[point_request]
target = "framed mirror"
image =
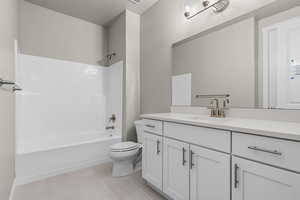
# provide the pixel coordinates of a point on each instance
(256, 60)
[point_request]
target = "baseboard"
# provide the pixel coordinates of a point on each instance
(158, 190)
(12, 190)
(70, 168)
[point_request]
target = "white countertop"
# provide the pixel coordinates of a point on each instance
(279, 129)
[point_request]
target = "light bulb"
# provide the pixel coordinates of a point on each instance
(187, 11)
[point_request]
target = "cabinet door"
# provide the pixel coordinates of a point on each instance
(209, 175)
(152, 159)
(252, 180)
(176, 169)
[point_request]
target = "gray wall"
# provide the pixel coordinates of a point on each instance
(8, 33)
(221, 62)
(163, 25)
(117, 38)
(132, 72)
(47, 33)
(124, 40)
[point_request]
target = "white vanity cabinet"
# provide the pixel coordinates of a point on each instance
(255, 181)
(192, 172)
(152, 159)
(209, 175)
(188, 162)
(272, 180)
(174, 164)
(176, 169)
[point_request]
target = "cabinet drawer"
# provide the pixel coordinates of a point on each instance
(205, 137)
(153, 126)
(277, 152)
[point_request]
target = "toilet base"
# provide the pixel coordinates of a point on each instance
(122, 168)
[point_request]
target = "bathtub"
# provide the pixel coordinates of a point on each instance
(40, 159)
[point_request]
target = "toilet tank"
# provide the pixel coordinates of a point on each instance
(139, 130)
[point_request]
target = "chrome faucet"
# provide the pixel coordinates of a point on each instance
(112, 118)
(223, 108)
(215, 109)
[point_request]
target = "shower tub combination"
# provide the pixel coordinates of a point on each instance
(50, 158)
(61, 115)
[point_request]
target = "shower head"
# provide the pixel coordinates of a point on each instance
(106, 61)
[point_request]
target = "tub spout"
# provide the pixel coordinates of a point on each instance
(110, 127)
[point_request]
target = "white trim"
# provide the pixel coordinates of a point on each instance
(64, 146)
(70, 168)
(269, 72)
(265, 68)
(12, 190)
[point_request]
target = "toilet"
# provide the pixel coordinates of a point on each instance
(126, 154)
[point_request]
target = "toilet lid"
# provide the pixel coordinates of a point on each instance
(124, 146)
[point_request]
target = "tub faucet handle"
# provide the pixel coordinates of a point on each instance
(112, 118)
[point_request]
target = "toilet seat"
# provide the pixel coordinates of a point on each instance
(124, 146)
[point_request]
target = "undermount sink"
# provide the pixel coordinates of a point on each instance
(207, 118)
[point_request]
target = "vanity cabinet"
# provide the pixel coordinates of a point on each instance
(205, 137)
(153, 126)
(209, 174)
(189, 170)
(272, 180)
(276, 152)
(176, 169)
(188, 162)
(152, 159)
(257, 181)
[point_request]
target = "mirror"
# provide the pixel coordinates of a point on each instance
(256, 60)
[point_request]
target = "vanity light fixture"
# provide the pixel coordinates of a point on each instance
(218, 6)
(135, 1)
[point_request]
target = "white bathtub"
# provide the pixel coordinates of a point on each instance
(36, 160)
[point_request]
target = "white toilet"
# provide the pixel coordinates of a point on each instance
(125, 154)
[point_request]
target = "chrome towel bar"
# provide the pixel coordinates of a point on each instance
(4, 82)
(14, 87)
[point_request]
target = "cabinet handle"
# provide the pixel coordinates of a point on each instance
(157, 147)
(150, 126)
(236, 181)
(275, 152)
(183, 156)
(191, 159)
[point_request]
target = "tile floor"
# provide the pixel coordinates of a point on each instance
(94, 183)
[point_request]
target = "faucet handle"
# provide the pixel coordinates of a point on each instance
(225, 103)
(211, 105)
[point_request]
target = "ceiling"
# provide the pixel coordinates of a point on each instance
(96, 11)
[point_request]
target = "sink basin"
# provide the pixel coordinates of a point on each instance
(205, 118)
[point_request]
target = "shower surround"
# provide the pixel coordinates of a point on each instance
(61, 115)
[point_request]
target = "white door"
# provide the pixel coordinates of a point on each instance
(254, 181)
(290, 74)
(176, 169)
(152, 159)
(209, 175)
(281, 79)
